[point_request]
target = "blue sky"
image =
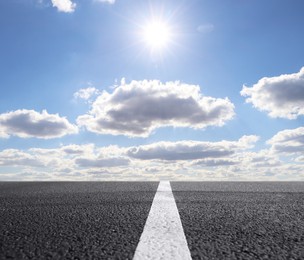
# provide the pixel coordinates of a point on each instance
(85, 95)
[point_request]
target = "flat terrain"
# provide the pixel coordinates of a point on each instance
(93, 220)
(242, 220)
(104, 220)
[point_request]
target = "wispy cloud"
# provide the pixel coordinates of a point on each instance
(136, 109)
(29, 123)
(281, 96)
(66, 6)
(87, 94)
(106, 1)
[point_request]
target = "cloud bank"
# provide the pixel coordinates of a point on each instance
(136, 109)
(29, 123)
(281, 96)
(183, 160)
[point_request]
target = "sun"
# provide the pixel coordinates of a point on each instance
(156, 35)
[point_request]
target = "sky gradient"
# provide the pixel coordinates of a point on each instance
(88, 93)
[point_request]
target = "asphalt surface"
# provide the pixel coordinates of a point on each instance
(242, 220)
(104, 220)
(95, 220)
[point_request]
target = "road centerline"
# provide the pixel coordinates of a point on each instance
(163, 235)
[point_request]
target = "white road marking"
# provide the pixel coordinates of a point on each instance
(163, 236)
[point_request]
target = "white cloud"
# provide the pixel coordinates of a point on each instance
(100, 157)
(29, 123)
(86, 93)
(190, 150)
(14, 157)
(59, 160)
(3, 133)
(262, 158)
(106, 1)
(102, 162)
(205, 28)
(281, 96)
(216, 162)
(185, 160)
(74, 149)
(288, 141)
(66, 6)
(68, 160)
(300, 159)
(136, 109)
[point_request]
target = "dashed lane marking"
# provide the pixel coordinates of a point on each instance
(163, 236)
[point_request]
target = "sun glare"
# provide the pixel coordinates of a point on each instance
(156, 34)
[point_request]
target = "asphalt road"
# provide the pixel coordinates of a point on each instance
(242, 220)
(104, 220)
(73, 220)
